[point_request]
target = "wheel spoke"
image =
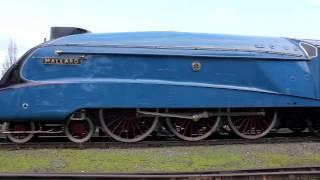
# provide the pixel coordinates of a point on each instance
(129, 126)
(253, 127)
(183, 124)
(191, 130)
(259, 124)
(264, 121)
(112, 122)
(186, 128)
(246, 126)
(135, 124)
(243, 122)
(117, 126)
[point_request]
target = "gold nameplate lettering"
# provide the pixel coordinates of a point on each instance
(63, 60)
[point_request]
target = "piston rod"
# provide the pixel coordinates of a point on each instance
(198, 116)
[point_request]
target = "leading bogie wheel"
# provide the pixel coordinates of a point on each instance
(252, 126)
(79, 131)
(19, 132)
(126, 125)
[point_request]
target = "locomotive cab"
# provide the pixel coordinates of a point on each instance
(309, 49)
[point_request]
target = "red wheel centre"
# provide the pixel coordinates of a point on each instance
(19, 127)
(79, 128)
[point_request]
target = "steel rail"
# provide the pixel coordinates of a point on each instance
(156, 144)
(272, 172)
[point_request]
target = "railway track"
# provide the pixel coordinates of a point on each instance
(162, 143)
(275, 173)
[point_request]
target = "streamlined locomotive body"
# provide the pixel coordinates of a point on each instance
(128, 83)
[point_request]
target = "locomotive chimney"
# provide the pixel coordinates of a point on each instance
(57, 32)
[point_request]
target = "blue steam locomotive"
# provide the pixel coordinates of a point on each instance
(128, 83)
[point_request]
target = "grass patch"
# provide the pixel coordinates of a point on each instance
(285, 160)
(173, 159)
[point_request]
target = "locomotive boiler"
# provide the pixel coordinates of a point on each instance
(128, 84)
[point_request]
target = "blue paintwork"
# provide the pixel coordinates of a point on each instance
(153, 70)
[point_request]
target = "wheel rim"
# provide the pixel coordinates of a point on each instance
(79, 131)
(191, 130)
(20, 126)
(124, 125)
(252, 127)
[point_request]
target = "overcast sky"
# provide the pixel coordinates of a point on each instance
(27, 22)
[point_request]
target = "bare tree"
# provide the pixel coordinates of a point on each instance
(11, 57)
